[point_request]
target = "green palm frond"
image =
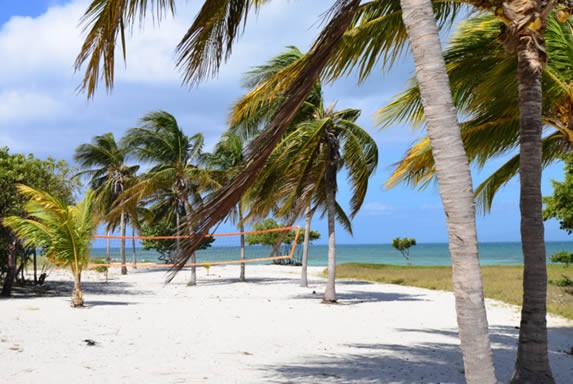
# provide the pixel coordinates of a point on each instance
(377, 36)
(553, 149)
(484, 87)
(103, 21)
(209, 40)
(302, 81)
(63, 232)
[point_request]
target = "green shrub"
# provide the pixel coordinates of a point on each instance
(563, 257)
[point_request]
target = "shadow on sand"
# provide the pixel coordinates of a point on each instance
(421, 363)
(62, 288)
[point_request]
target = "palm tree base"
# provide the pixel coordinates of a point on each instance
(526, 376)
(124, 270)
(77, 300)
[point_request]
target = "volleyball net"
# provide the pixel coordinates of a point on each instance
(277, 245)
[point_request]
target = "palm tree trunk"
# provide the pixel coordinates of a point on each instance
(133, 252)
(122, 243)
(108, 246)
(242, 229)
(193, 280)
(330, 185)
(303, 273)
(77, 298)
(11, 273)
(455, 186)
(178, 223)
(532, 364)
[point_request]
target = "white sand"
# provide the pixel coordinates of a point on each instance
(268, 330)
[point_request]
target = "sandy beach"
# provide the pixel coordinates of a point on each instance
(265, 330)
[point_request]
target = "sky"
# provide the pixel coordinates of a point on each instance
(42, 112)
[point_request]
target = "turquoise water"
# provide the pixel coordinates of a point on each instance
(421, 254)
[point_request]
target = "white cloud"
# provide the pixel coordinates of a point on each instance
(375, 209)
(28, 106)
(42, 47)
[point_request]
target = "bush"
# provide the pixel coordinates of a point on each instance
(563, 257)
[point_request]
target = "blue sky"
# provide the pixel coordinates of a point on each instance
(42, 113)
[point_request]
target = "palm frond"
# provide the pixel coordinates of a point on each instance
(553, 148)
(103, 21)
(209, 40)
(377, 36)
(222, 201)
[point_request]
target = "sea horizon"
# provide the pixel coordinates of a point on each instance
(422, 254)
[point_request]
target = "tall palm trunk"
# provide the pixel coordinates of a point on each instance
(188, 212)
(532, 364)
(330, 184)
(303, 273)
(455, 186)
(242, 229)
(122, 243)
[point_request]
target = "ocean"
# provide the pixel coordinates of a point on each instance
(506, 253)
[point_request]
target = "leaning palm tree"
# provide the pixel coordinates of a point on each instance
(63, 232)
(104, 161)
(175, 178)
(209, 41)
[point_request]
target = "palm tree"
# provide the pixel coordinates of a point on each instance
(175, 177)
(63, 232)
(302, 169)
(210, 39)
(105, 162)
(455, 187)
(228, 157)
(248, 116)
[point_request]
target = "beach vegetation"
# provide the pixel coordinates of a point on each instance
(167, 248)
(228, 157)
(104, 162)
(560, 204)
(300, 176)
(177, 178)
(63, 232)
(501, 282)
(403, 245)
(563, 257)
(277, 238)
(54, 177)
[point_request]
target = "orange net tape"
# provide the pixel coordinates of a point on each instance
(204, 263)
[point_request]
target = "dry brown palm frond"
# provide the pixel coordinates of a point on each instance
(304, 78)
